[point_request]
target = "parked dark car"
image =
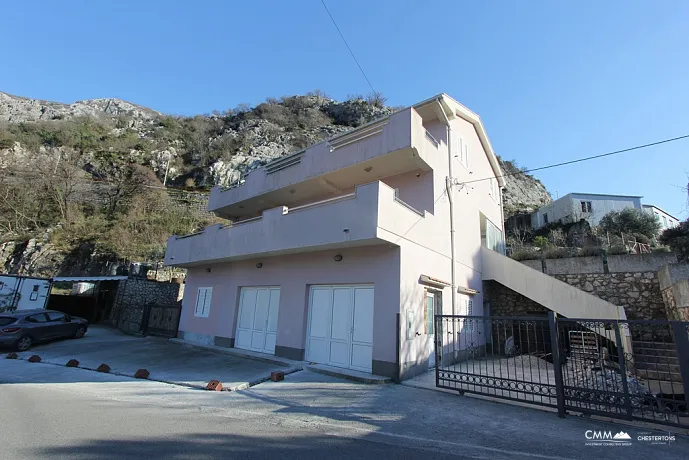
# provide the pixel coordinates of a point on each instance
(23, 328)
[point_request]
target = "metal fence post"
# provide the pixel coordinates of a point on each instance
(555, 346)
(681, 332)
(623, 371)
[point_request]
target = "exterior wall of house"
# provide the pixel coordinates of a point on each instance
(294, 274)
(666, 220)
(425, 248)
(568, 208)
(419, 244)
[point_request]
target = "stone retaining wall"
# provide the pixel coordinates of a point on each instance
(134, 294)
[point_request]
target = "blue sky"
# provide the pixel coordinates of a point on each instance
(551, 80)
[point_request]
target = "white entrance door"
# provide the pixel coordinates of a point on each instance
(258, 319)
(340, 329)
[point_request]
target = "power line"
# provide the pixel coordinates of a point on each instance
(347, 45)
(579, 160)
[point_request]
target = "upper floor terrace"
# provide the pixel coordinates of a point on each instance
(391, 146)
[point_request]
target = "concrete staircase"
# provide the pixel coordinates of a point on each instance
(656, 361)
(552, 293)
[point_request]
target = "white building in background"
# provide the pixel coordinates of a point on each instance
(576, 206)
(666, 220)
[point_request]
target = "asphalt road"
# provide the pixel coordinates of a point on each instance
(55, 423)
(50, 411)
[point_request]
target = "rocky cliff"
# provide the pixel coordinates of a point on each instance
(524, 193)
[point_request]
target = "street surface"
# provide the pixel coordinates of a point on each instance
(50, 411)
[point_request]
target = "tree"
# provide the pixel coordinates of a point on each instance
(631, 221)
(127, 183)
(678, 239)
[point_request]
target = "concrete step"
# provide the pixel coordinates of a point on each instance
(660, 367)
(653, 345)
(659, 375)
(639, 359)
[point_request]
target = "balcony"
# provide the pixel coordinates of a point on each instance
(371, 215)
(384, 148)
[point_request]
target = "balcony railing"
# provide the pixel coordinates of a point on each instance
(353, 219)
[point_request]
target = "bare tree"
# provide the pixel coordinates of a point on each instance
(127, 183)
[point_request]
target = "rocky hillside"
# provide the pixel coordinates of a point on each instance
(95, 164)
(524, 193)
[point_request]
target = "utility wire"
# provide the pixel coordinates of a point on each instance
(579, 160)
(347, 45)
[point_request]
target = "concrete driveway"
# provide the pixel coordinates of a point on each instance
(166, 361)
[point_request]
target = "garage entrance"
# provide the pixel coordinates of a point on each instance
(340, 326)
(258, 319)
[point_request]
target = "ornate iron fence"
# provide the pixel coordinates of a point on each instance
(622, 369)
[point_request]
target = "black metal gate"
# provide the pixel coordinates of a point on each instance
(623, 369)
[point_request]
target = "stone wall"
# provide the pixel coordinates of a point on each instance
(506, 302)
(132, 297)
(624, 263)
(638, 293)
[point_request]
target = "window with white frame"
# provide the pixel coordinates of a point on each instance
(464, 153)
(493, 190)
(203, 302)
(468, 305)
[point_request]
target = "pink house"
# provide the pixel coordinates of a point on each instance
(342, 253)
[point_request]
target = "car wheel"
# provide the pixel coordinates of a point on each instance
(24, 343)
(79, 333)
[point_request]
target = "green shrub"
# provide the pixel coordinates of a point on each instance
(590, 251)
(631, 221)
(617, 249)
(677, 239)
(541, 242)
(555, 253)
(526, 254)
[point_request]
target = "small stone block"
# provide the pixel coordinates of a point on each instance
(12, 356)
(34, 359)
(103, 368)
(141, 374)
(277, 376)
(214, 385)
(72, 363)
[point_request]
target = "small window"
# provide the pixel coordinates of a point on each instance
(34, 293)
(493, 189)
(664, 221)
(586, 206)
(429, 313)
(545, 218)
(55, 316)
(463, 153)
(469, 308)
(203, 302)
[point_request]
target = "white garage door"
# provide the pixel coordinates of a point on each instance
(257, 322)
(340, 329)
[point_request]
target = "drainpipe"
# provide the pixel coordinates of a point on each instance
(448, 187)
